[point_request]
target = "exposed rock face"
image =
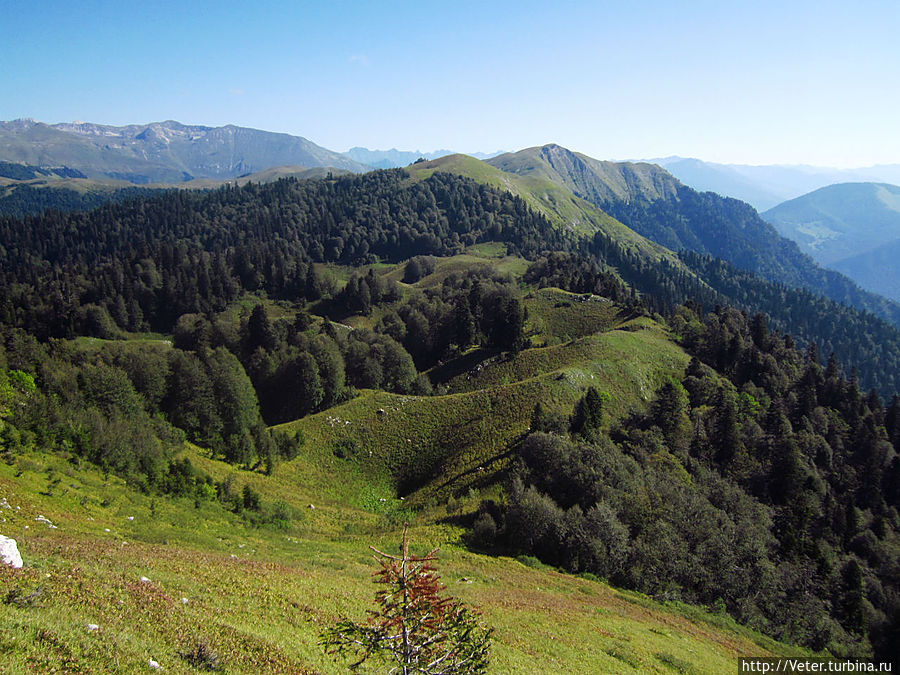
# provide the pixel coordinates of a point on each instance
(9, 552)
(161, 152)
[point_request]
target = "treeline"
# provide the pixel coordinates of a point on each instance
(477, 308)
(146, 262)
(142, 264)
(769, 489)
(856, 337)
(96, 407)
(25, 200)
(296, 367)
(29, 172)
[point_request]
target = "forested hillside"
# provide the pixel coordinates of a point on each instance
(758, 482)
(287, 330)
(23, 200)
(654, 204)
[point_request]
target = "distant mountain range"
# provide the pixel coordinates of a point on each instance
(851, 227)
(160, 152)
(393, 158)
(766, 186)
(171, 152)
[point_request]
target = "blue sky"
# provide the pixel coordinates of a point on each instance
(746, 82)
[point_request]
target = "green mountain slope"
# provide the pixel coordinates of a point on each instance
(650, 201)
(723, 227)
(553, 199)
(429, 448)
(591, 179)
(258, 597)
(664, 464)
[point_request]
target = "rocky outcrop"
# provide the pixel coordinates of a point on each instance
(9, 552)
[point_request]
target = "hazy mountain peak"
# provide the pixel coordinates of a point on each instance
(161, 152)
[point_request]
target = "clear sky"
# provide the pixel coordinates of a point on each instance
(746, 82)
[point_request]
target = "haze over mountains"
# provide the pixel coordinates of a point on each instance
(850, 227)
(649, 199)
(172, 152)
(768, 185)
(393, 158)
(645, 197)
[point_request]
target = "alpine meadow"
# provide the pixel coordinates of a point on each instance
(272, 407)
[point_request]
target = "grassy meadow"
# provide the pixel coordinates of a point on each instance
(158, 577)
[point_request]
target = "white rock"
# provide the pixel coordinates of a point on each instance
(9, 552)
(145, 580)
(93, 627)
(106, 529)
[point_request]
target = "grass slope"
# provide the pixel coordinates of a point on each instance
(593, 179)
(553, 200)
(261, 596)
(448, 444)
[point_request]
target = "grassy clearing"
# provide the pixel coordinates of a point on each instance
(448, 444)
(260, 596)
(556, 316)
(629, 363)
(474, 257)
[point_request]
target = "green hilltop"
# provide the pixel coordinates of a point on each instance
(552, 199)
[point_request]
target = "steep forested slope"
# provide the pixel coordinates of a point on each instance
(653, 203)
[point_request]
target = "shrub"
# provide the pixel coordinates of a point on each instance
(203, 657)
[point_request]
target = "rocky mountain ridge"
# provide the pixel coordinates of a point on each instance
(166, 151)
